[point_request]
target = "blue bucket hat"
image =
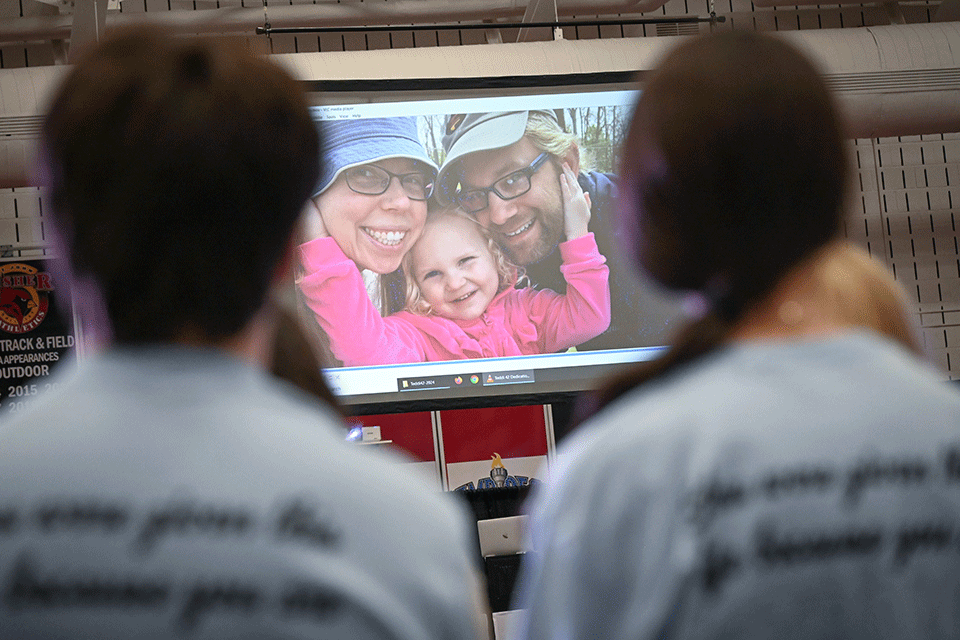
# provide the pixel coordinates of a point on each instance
(348, 143)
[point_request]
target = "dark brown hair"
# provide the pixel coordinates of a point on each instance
(178, 168)
(296, 360)
(734, 172)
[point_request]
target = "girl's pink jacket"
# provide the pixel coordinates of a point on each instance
(517, 322)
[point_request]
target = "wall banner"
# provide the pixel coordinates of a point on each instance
(34, 334)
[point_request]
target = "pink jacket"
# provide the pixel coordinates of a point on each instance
(517, 322)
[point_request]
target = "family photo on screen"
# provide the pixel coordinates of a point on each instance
(446, 237)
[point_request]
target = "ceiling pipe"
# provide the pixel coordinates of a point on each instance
(246, 20)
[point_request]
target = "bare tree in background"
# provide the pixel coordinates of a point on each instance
(431, 134)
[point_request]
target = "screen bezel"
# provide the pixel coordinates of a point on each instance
(356, 91)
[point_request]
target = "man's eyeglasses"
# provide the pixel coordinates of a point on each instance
(508, 187)
(371, 180)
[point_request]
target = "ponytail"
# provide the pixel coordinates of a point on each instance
(693, 342)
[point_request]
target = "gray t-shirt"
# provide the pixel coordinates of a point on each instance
(804, 489)
(174, 493)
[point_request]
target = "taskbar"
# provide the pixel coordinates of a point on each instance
(523, 375)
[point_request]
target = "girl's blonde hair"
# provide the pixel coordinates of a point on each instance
(509, 273)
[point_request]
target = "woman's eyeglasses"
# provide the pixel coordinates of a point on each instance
(508, 187)
(371, 180)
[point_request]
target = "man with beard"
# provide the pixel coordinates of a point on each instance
(504, 168)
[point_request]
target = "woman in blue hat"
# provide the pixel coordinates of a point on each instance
(375, 181)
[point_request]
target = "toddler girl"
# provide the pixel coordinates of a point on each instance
(461, 299)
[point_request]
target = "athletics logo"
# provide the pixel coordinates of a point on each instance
(23, 297)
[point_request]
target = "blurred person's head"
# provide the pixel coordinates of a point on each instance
(861, 292)
(734, 174)
(504, 169)
(734, 167)
(456, 269)
(840, 288)
(177, 169)
(373, 190)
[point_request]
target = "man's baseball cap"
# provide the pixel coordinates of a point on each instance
(469, 132)
(348, 143)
